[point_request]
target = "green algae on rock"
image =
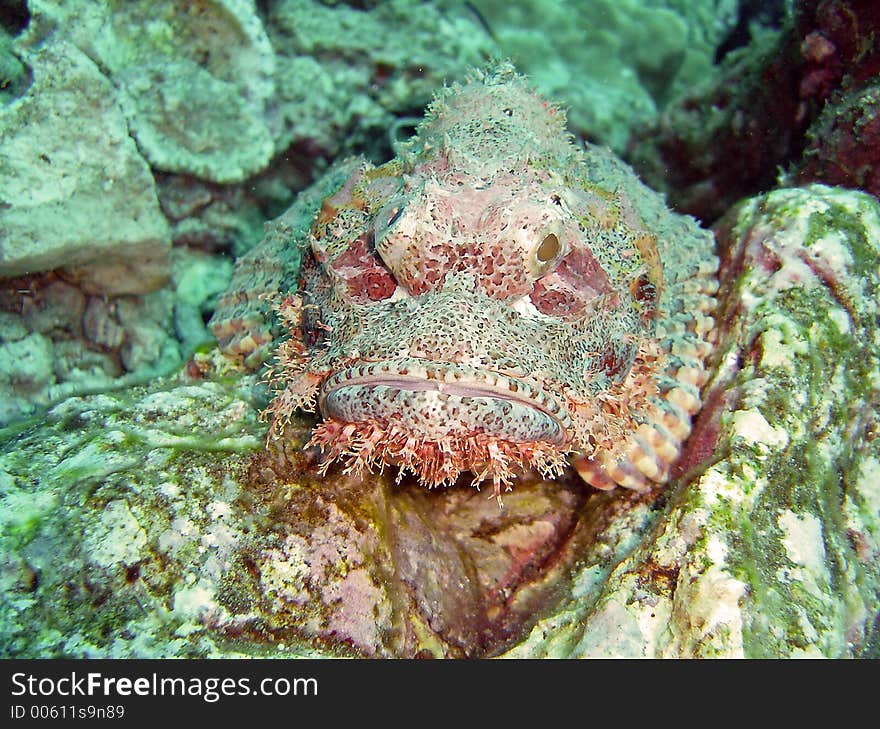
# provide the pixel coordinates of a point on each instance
(769, 545)
(80, 541)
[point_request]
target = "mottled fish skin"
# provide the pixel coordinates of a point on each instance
(493, 299)
(243, 322)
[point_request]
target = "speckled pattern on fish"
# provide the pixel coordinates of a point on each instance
(495, 298)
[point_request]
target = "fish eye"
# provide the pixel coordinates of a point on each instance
(545, 254)
(394, 216)
(548, 249)
(386, 218)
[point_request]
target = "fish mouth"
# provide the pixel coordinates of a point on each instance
(442, 401)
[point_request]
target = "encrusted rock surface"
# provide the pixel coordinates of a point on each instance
(725, 137)
(152, 521)
(346, 71)
(193, 80)
(56, 341)
(75, 191)
(154, 524)
(844, 143)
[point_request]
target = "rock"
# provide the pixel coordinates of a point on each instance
(101, 326)
(838, 79)
(211, 66)
(91, 343)
(838, 44)
(12, 328)
(726, 137)
(224, 138)
(212, 217)
(111, 550)
(331, 76)
(25, 372)
(26, 363)
(139, 328)
(163, 500)
(14, 73)
(76, 193)
(83, 369)
(345, 73)
(58, 308)
(150, 343)
(199, 279)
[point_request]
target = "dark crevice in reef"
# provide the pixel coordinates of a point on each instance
(765, 13)
(14, 16)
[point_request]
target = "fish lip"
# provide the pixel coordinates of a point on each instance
(452, 379)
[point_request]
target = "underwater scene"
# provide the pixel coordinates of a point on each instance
(403, 329)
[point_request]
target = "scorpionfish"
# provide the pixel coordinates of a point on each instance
(495, 298)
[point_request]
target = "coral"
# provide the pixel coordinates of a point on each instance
(344, 73)
(728, 136)
(614, 64)
(725, 137)
(838, 43)
(484, 303)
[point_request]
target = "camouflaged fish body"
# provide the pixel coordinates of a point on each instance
(495, 298)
